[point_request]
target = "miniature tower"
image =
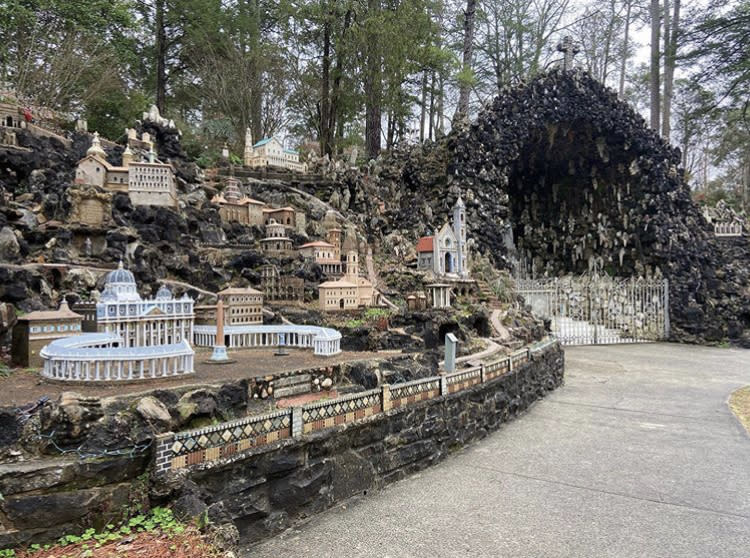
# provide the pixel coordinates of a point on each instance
(248, 147)
(352, 265)
(127, 157)
(96, 147)
(459, 229)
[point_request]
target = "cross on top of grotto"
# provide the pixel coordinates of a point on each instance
(569, 50)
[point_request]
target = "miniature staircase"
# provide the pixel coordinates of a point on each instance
(487, 295)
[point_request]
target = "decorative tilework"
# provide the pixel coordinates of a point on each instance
(225, 440)
(230, 432)
(325, 414)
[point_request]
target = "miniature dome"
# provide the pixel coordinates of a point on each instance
(120, 286)
(163, 293)
(120, 275)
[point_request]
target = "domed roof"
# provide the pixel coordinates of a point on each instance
(163, 293)
(120, 275)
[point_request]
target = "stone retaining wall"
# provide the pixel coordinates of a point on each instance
(281, 479)
(271, 487)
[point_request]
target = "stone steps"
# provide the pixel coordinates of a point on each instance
(292, 385)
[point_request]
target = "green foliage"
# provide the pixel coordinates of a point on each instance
(5, 371)
(114, 110)
(160, 520)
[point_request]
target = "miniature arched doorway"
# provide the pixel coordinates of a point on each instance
(9, 122)
(448, 263)
(341, 303)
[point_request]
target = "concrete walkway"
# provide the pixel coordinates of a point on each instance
(636, 456)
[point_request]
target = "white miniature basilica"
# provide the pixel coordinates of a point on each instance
(136, 339)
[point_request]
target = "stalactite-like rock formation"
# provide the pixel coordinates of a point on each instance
(564, 177)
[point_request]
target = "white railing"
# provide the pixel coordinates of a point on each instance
(728, 229)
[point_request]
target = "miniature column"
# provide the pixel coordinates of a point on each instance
(220, 350)
(450, 352)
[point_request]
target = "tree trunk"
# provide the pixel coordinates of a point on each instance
(440, 107)
(161, 57)
(655, 56)
(423, 106)
(325, 88)
(431, 119)
(462, 109)
(334, 108)
(625, 47)
(670, 61)
(373, 85)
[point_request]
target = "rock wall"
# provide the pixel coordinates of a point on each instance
(561, 175)
(273, 488)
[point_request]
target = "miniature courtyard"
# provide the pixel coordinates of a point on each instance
(24, 387)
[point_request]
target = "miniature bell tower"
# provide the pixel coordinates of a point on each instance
(459, 229)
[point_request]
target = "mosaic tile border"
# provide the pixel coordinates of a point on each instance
(213, 443)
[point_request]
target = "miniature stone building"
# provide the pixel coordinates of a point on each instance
(147, 183)
(276, 287)
(10, 116)
(90, 206)
(276, 241)
(235, 206)
(242, 306)
(136, 338)
(323, 254)
(416, 302)
(440, 295)
(286, 216)
(445, 253)
(349, 292)
(725, 220)
(34, 330)
(141, 323)
(269, 152)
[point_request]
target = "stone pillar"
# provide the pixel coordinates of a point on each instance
(297, 424)
(220, 350)
(385, 397)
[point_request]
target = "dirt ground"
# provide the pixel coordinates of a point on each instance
(27, 386)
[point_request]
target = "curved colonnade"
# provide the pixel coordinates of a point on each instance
(98, 357)
(323, 340)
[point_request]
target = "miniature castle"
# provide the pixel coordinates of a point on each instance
(146, 182)
(446, 253)
(269, 152)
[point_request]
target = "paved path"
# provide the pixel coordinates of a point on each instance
(636, 456)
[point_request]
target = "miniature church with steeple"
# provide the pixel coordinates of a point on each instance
(445, 252)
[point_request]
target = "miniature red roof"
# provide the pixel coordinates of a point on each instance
(425, 244)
